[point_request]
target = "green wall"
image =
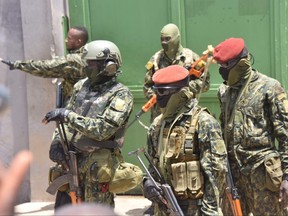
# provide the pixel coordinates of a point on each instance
(134, 26)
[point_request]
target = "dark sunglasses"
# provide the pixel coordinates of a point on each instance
(165, 90)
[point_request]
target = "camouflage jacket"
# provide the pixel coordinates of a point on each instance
(210, 150)
(109, 110)
(184, 57)
(254, 121)
(68, 67)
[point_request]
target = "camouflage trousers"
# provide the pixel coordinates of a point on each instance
(92, 190)
(187, 210)
(255, 198)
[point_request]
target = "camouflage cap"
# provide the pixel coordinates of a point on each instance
(228, 50)
(170, 74)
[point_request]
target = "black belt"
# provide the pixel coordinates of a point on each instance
(186, 202)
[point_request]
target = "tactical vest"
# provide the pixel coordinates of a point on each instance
(180, 163)
(90, 104)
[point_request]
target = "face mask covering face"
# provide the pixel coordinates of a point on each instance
(170, 40)
(224, 72)
(240, 71)
(177, 102)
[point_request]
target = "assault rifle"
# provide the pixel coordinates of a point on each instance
(70, 164)
(232, 193)
(171, 201)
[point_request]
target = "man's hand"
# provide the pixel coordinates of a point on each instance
(11, 179)
(59, 114)
(9, 63)
(283, 195)
(153, 193)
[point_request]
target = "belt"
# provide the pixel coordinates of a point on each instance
(86, 143)
(184, 202)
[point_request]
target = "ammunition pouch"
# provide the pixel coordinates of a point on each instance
(55, 172)
(187, 180)
(273, 173)
(182, 159)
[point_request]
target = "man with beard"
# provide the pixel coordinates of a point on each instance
(68, 68)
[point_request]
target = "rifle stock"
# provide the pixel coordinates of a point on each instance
(169, 196)
(232, 194)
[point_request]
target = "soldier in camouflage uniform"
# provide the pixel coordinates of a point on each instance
(254, 113)
(68, 67)
(95, 119)
(172, 53)
(186, 146)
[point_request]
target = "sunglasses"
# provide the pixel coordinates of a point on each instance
(165, 90)
(229, 64)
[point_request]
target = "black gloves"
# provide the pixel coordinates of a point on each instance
(9, 63)
(56, 152)
(153, 193)
(59, 114)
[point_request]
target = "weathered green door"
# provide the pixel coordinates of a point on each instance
(134, 26)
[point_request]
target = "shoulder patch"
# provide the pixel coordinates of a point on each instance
(149, 65)
(119, 104)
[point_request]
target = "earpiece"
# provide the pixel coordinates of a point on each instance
(110, 67)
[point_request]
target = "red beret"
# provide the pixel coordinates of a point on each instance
(228, 50)
(170, 74)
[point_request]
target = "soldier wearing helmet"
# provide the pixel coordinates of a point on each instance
(172, 53)
(95, 118)
(186, 145)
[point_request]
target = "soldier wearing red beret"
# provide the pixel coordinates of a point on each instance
(254, 114)
(185, 141)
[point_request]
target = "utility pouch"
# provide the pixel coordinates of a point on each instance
(179, 179)
(176, 142)
(273, 175)
(195, 180)
(101, 169)
(55, 172)
(126, 177)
